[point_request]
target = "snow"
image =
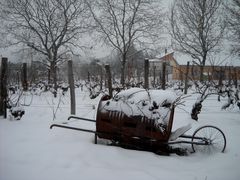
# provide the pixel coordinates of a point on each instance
(180, 131)
(30, 150)
(145, 103)
(17, 108)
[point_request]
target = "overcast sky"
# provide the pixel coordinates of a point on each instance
(97, 50)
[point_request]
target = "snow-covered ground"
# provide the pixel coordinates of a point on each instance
(30, 150)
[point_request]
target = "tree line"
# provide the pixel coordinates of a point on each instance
(54, 29)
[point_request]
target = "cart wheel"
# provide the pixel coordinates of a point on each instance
(208, 139)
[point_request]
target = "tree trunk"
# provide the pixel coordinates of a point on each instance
(202, 65)
(201, 73)
(123, 69)
(49, 75)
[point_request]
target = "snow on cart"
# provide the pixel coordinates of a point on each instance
(142, 119)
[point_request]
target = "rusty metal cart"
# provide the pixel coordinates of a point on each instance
(141, 132)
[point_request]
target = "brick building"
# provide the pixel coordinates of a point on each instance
(176, 67)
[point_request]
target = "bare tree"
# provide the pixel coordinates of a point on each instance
(50, 27)
(197, 28)
(233, 21)
(122, 23)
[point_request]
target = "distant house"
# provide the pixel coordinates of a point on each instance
(176, 67)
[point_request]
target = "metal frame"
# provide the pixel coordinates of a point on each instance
(165, 143)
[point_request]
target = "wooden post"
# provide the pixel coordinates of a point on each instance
(49, 76)
(109, 79)
(220, 77)
(181, 75)
(186, 79)
(166, 72)
(101, 78)
(24, 77)
(192, 72)
(72, 88)
(88, 76)
(229, 76)
(18, 79)
(160, 77)
(3, 88)
(163, 75)
(146, 73)
(235, 77)
(154, 76)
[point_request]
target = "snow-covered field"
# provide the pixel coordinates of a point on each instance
(30, 150)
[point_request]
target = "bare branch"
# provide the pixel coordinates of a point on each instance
(121, 23)
(197, 28)
(233, 22)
